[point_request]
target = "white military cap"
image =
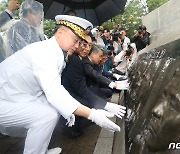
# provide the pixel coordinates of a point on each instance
(94, 31)
(79, 26)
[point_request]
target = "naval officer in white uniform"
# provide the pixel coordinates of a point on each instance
(31, 94)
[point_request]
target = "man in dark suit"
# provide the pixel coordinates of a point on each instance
(6, 16)
(73, 79)
(96, 82)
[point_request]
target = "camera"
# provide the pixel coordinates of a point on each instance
(110, 50)
(129, 51)
(140, 32)
(115, 36)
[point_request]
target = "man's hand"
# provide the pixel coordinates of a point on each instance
(122, 85)
(118, 110)
(100, 117)
(121, 77)
(113, 85)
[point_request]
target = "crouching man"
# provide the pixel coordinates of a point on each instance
(31, 94)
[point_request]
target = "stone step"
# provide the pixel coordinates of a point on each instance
(109, 142)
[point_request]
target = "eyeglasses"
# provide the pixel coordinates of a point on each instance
(86, 45)
(75, 38)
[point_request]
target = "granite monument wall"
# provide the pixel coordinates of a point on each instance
(155, 81)
(153, 101)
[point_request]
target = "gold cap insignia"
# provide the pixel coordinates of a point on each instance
(78, 30)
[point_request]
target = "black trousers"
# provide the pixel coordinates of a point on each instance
(101, 92)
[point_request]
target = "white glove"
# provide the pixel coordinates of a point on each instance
(118, 110)
(122, 85)
(100, 117)
(71, 120)
(117, 76)
(111, 85)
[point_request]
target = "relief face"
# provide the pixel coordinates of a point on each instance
(164, 125)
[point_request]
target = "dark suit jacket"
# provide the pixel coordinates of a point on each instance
(107, 74)
(73, 79)
(4, 18)
(93, 76)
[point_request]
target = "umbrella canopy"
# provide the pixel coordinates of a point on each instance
(96, 11)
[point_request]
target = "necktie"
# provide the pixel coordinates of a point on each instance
(65, 56)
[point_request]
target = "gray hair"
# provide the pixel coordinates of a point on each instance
(95, 48)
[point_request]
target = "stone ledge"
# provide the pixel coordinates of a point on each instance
(108, 142)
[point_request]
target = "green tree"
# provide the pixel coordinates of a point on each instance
(153, 4)
(3, 5)
(130, 19)
(49, 27)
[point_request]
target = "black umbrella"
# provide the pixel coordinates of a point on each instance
(96, 11)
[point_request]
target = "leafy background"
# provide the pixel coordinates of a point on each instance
(130, 19)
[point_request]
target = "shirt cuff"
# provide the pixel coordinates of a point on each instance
(111, 85)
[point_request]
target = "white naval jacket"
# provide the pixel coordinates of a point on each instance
(34, 71)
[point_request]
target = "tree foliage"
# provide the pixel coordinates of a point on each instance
(153, 4)
(49, 27)
(3, 5)
(131, 18)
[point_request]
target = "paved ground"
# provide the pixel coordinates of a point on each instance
(85, 144)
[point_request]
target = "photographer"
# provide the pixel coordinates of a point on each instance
(146, 35)
(117, 43)
(141, 38)
(107, 38)
(124, 39)
(137, 39)
(123, 59)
